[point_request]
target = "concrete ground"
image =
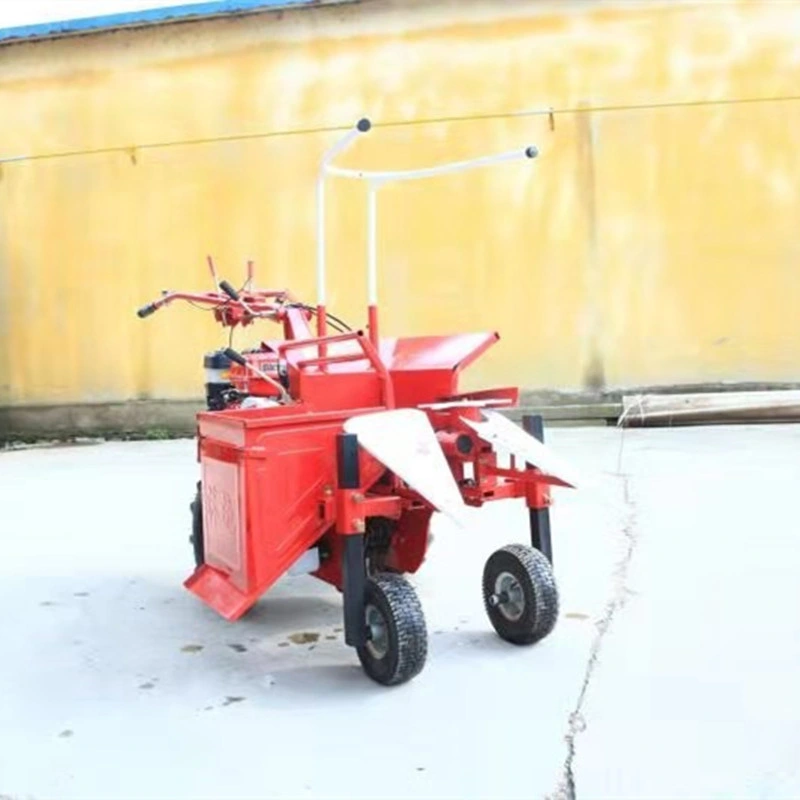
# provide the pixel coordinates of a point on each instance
(671, 673)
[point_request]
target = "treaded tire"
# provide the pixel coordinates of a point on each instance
(532, 610)
(404, 635)
(196, 538)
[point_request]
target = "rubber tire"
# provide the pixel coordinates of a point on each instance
(535, 575)
(196, 538)
(398, 604)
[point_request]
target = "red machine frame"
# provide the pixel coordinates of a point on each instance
(283, 483)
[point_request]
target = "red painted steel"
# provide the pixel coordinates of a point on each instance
(284, 483)
(269, 474)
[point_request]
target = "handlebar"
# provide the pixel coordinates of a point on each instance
(239, 305)
(146, 311)
(230, 306)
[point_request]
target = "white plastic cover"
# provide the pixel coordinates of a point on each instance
(405, 442)
(499, 431)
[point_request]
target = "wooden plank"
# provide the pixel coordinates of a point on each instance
(554, 413)
(725, 407)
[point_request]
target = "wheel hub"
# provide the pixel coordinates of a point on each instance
(508, 597)
(377, 633)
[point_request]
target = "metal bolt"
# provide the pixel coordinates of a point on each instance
(497, 599)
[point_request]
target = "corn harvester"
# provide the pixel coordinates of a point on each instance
(327, 451)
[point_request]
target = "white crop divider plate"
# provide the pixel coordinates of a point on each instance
(501, 432)
(404, 441)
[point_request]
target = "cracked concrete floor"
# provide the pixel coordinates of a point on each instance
(670, 673)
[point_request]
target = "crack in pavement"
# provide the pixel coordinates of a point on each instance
(576, 721)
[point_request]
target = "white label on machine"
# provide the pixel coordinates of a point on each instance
(405, 442)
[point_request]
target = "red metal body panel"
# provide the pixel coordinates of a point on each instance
(268, 475)
(248, 382)
(269, 490)
(213, 587)
(410, 541)
(285, 479)
(451, 352)
(265, 476)
(423, 369)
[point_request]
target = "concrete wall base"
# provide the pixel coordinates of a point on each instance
(176, 418)
(135, 419)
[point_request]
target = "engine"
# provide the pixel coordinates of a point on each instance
(230, 385)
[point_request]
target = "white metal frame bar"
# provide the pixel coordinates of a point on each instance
(372, 244)
(362, 127)
(375, 180)
(387, 176)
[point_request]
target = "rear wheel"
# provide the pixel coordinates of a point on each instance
(397, 638)
(196, 537)
(520, 594)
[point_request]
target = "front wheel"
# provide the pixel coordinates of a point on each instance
(520, 594)
(397, 637)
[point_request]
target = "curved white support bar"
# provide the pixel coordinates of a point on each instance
(429, 172)
(376, 179)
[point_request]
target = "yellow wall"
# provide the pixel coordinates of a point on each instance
(655, 240)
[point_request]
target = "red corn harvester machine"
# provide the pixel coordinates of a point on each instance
(328, 451)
